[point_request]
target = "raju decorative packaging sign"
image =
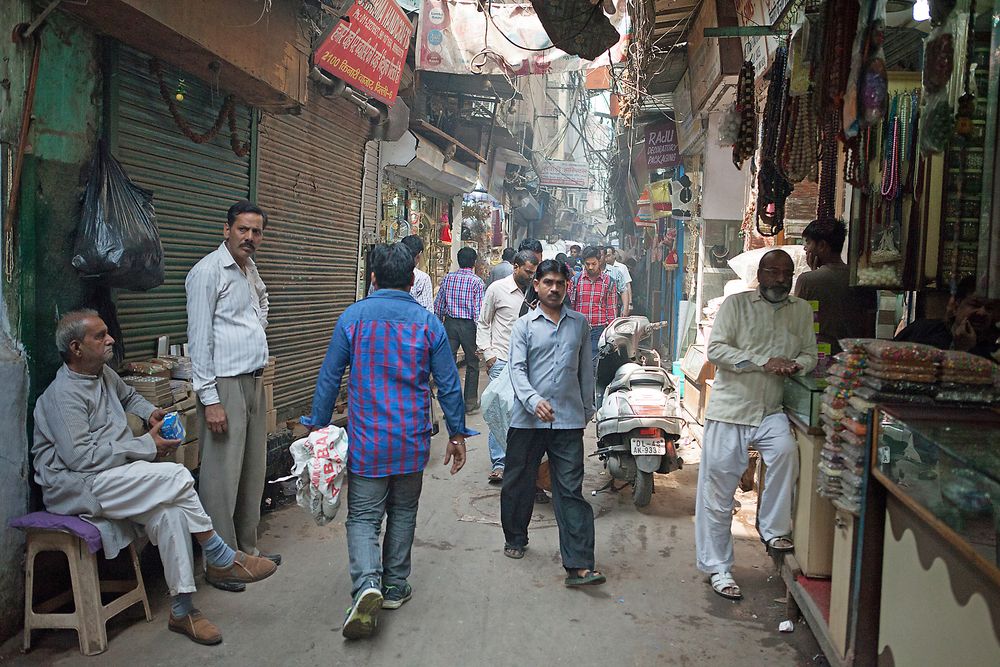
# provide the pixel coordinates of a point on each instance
(368, 50)
(661, 145)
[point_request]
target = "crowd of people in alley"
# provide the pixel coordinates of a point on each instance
(537, 322)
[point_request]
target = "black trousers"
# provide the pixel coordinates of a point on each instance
(574, 516)
(463, 333)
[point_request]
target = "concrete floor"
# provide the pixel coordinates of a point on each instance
(472, 606)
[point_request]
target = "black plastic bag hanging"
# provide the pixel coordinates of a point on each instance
(117, 242)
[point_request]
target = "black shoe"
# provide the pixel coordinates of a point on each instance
(393, 597)
(542, 498)
(274, 558)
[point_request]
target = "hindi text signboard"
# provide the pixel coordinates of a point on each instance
(565, 174)
(368, 51)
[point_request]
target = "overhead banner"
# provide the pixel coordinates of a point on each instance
(367, 49)
(661, 145)
(455, 36)
(564, 174)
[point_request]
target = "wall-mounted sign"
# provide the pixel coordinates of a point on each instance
(661, 145)
(368, 51)
(564, 174)
(710, 60)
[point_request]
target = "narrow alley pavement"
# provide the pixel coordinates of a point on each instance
(472, 606)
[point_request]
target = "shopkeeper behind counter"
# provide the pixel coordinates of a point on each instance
(970, 324)
(844, 311)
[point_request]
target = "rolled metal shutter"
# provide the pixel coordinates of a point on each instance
(193, 186)
(310, 184)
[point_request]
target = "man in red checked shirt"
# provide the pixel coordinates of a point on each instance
(594, 295)
(458, 303)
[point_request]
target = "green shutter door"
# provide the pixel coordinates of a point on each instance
(193, 185)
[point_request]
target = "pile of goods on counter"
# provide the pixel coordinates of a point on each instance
(877, 371)
(165, 381)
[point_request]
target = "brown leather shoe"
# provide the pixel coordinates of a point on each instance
(198, 628)
(245, 569)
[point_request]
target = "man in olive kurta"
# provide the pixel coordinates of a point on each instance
(88, 463)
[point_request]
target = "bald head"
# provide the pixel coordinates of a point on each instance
(775, 274)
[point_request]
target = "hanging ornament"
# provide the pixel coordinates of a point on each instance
(773, 187)
(746, 106)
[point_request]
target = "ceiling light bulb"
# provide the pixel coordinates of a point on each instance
(921, 11)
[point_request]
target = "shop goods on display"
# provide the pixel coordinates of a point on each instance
(872, 371)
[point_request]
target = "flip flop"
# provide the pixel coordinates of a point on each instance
(496, 477)
(722, 582)
(591, 578)
(514, 552)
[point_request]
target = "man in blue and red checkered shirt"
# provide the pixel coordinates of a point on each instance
(594, 295)
(393, 346)
(458, 303)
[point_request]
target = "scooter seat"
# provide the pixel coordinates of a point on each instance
(633, 374)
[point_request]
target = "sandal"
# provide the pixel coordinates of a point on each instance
(588, 578)
(724, 584)
(496, 477)
(780, 544)
(514, 552)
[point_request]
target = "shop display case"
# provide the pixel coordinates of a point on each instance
(938, 471)
(802, 396)
(948, 470)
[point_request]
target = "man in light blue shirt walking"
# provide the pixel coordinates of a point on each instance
(553, 378)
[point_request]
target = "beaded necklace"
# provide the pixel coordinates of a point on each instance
(773, 188)
(890, 156)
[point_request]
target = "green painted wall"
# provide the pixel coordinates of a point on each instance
(63, 138)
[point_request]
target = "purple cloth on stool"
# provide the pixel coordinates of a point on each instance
(68, 524)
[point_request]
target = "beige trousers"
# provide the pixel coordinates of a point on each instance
(233, 463)
(161, 498)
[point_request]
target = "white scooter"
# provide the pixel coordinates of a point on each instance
(637, 423)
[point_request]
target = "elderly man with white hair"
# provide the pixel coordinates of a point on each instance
(88, 463)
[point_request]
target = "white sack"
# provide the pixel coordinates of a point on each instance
(319, 469)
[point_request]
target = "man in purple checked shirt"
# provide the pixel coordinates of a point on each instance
(393, 346)
(458, 302)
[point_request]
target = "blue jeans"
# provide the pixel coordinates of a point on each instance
(595, 338)
(369, 500)
(496, 447)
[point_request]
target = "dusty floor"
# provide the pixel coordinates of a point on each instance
(472, 606)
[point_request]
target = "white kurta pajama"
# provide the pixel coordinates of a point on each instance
(745, 409)
(88, 463)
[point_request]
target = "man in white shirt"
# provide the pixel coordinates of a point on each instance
(227, 310)
(622, 277)
(504, 268)
(422, 290)
(759, 338)
(501, 308)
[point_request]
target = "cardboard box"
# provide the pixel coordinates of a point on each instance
(272, 421)
(192, 424)
(814, 515)
(269, 396)
(845, 529)
(192, 455)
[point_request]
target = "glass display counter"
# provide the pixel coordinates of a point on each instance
(945, 464)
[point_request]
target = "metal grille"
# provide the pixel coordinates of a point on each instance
(193, 185)
(310, 176)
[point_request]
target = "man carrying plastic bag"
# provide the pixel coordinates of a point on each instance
(319, 469)
(393, 346)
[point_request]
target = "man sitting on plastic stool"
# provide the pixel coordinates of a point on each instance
(88, 463)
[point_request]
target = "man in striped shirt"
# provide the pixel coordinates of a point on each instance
(594, 295)
(393, 347)
(227, 310)
(458, 302)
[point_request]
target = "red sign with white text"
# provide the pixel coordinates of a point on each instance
(369, 50)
